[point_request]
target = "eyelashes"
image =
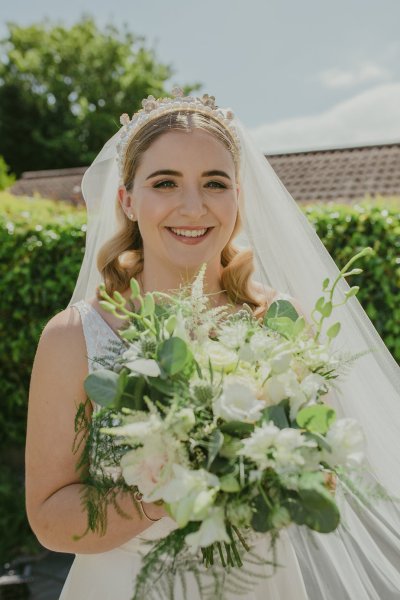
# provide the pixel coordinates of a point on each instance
(160, 184)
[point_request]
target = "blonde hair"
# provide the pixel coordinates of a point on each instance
(121, 257)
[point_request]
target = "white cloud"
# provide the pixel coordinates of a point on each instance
(363, 73)
(370, 117)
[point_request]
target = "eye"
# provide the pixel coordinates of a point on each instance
(219, 184)
(160, 183)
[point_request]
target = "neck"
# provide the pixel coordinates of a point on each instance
(167, 279)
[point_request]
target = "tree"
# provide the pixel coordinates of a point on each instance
(62, 90)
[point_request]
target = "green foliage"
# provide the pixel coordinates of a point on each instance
(40, 257)
(67, 108)
(6, 178)
(346, 230)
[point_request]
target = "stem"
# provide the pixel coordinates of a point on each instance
(241, 538)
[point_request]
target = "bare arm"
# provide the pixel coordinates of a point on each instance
(53, 489)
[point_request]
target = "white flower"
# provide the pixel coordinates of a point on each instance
(222, 359)
(238, 402)
(257, 445)
(281, 449)
(312, 384)
(288, 454)
(233, 335)
(211, 530)
(132, 352)
(189, 493)
(262, 344)
(150, 465)
(281, 361)
(347, 440)
(180, 328)
(284, 385)
(136, 431)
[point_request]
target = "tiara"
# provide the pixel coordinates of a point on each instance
(153, 108)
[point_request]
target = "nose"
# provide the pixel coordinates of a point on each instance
(193, 204)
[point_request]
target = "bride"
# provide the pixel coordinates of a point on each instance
(171, 190)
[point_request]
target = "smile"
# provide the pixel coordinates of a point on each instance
(190, 236)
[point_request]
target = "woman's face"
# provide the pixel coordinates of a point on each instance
(185, 216)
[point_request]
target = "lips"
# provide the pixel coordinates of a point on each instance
(190, 239)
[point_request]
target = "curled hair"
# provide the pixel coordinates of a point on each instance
(121, 257)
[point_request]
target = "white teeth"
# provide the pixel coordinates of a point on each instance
(189, 232)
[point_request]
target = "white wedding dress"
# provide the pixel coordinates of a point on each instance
(111, 575)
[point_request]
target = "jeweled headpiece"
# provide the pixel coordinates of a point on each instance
(153, 108)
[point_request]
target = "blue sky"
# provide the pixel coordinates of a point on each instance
(301, 74)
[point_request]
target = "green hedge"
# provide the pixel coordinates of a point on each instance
(41, 249)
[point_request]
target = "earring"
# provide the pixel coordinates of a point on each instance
(131, 217)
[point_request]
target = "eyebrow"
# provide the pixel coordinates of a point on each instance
(178, 174)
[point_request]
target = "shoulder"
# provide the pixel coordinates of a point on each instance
(63, 334)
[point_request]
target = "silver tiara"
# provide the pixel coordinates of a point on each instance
(153, 108)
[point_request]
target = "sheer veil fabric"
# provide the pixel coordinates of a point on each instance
(361, 559)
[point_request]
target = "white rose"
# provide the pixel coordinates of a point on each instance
(189, 493)
(347, 441)
(238, 402)
(222, 359)
(211, 530)
(150, 465)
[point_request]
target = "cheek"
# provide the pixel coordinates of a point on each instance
(151, 212)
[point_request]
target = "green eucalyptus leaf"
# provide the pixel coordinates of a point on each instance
(278, 414)
(314, 507)
(229, 483)
(135, 288)
(172, 355)
(316, 418)
(281, 308)
(261, 520)
(333, 331)
(107, 306)
(214, 445)
(326, 309)
(352, 291)
(299, 326)
(283, 325)
(148, 305)
(102, 387)
(236, 428)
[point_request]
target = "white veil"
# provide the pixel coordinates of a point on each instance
(361, 559)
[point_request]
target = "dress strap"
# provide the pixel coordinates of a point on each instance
(101, 340)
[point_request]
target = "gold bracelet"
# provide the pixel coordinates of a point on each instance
(138, 497)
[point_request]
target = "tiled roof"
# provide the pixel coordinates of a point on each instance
(339, 174)
(59, 184)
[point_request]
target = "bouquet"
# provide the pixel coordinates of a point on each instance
(220, 416)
